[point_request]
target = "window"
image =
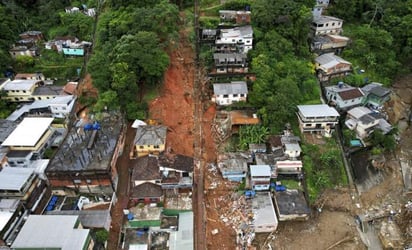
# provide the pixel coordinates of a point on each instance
(77, 181)
(233, 40)
(234, 95)
(225, 96)
(156, 146)
(24, 91)
(242, 95)
(333, 24)
(327, 25)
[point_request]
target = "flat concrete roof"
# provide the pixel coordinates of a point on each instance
(260, 170)
(317, 110)
(263, 210)
(183, 238)
(28, 132)
(20, 84)
(14, 178)
(51, 231)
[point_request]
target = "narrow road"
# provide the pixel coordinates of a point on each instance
(198, 194)
(122, 192)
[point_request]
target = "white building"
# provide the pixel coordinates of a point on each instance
(260, 177)
(265, 220)
(240, 37)
(228, 93)
(326, 25)
(33, 135)
(292, 150)
(289, 167)
(343, 96)
(317, 118)
(53, 232)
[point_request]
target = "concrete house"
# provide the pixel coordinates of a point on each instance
(235, 16)
(239, 39)
(329, 66)
(265, 219)
(226, 63)
(376, 95)
(364, 121)
(176, 171)
(85, 162)
(326, 25)
(328, 43)
(292, 150)
(233, 166)
(53, 232)
(289, 167)
(149, 140)
(343, 96)
(12, 215)
(147, 193)
(228, 93)
(32, 136)
(291, 205)
(145, 169)
(318, 118)
(260, 177)
(30, 76)
(23, 184)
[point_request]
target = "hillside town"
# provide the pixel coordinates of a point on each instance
(73, 178)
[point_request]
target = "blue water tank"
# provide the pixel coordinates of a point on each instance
(280, 188)
(88, 127)
(96, 126)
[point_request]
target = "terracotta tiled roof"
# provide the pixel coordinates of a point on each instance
(146, 189)
(145, 168)
(350, 94)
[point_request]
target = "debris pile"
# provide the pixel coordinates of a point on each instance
(237, 214)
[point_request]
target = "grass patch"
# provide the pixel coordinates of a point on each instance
(144, 223)
(323, 166)
(291, 184)
(151, 93)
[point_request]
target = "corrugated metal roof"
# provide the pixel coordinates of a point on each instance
(20, 84)
(260, 170)
(330, 60)
(150, 135)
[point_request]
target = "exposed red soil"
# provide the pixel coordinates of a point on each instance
(174, 107)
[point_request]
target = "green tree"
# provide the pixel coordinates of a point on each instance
(102, 235)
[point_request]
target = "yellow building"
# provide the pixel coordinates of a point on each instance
(149, 140)
(28, 90)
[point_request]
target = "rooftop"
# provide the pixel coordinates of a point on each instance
(6, 127)
(230, 88)
(88, 218)
(260, 170)
(51, 231)
(325, 19)
(7, 209)
(14, 178)
(177, 162)
(86, 148)
(291, 202)
(146, 189)
(183, 238)
(241, 31)
(358, 112)
(263, 210)
(330, 60)
(233, 162)
(150, 135)
(145, 168)
(317, 110)
(376, 89)
(236, 56)
(20, 84)
(292, 147)
(28, 132)
(349, 94)
(48, 90)
(243, 117)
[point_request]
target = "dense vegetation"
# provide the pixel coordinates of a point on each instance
(129, 52)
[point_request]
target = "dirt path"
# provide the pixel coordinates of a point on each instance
(122, 191)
